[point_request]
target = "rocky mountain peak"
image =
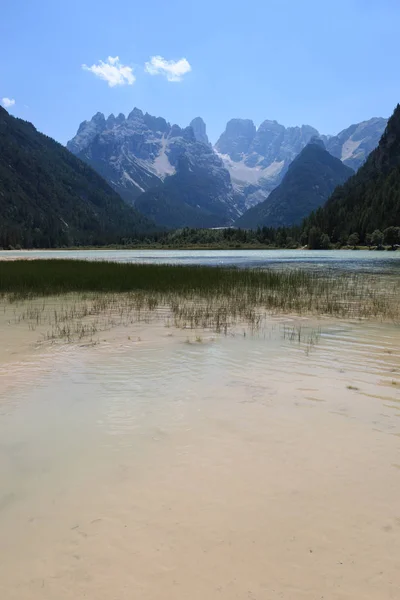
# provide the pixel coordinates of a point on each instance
(257, 159)
(354, 144)
(87, 131)
(267, 141)
(136, 113)
(371, 199)
(199, 130)
(99, 119)
(156, 123)
(142, 152)
(237, 138)
(145, 156)
(175, 131)
(110, 122)
(188, 134)
(316, 140)
(308, 182)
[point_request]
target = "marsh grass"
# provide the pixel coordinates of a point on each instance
(53, 277)
(89, 297)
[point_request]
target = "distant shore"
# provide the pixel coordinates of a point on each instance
(3, 255)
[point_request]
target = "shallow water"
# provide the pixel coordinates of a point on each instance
(346, 260)
(171, 464)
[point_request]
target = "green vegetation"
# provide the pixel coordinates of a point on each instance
(225, 238)
(310, 180)
(206, 296)
(49, 277)
(263, 237)
(49, 198)
(317, 240)
(391, 236)
(370, 200)
(364, 211)
(84, 317)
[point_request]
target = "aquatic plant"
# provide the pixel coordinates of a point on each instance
(73, 300)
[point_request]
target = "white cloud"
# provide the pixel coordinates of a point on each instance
(112, 71)
(173, 70)
(7, 102)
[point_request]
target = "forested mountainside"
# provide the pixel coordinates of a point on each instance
(370, 200)
(50, 198)
(258, 158)
(140, 153)
(308, 183)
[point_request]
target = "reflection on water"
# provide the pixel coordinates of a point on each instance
(163, 463)
(335, 260)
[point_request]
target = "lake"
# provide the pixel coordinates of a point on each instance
(154, 462)
(348, 260)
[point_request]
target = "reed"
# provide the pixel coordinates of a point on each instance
(52, 277)
(89, 297)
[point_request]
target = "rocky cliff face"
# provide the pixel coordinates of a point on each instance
(371, 199)
(257, 159)
(133, 153)
(139, 153)
(199, 130)
(354, 144)
(236, 140)
(307, 185)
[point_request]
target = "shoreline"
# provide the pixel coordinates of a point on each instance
(196, 247)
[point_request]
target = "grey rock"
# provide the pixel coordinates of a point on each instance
(237, 138)
(87, 131)
(136, 113)
(354, 144)
(308, 183)
(257, 160)
(199, 130)
(139, 154)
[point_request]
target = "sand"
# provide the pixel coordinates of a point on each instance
(155, 466)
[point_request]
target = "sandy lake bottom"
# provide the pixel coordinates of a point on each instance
(168, 464)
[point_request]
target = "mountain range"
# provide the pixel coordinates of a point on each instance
(177, 178)
(182, 180)
(51, 198)
(309, 181)
(257, 159)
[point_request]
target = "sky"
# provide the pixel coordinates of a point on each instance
(319, 62)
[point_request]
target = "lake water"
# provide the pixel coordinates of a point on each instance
(348, 260)
(166, 464)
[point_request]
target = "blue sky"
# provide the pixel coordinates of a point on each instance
(322, 62)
